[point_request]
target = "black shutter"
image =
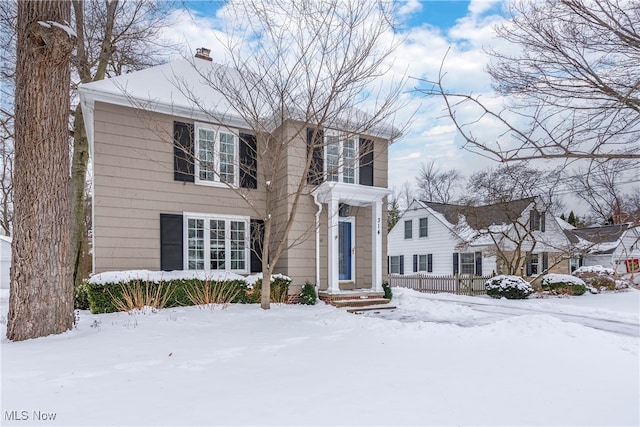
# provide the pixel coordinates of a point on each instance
(455, 263)
(366, 162)
(478, 263)
(532, 220)
(415, 263)
(257, 234)
(388, 265)
(528, 261)
(401, 264)
(430, 263)
(248, 161)
(316, 169)
(542, 221)
(183, 152)
(171, 254)
(545, 262)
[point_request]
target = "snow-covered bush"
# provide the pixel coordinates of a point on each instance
(81, 296)
(563, 284)
(510, 287)
(599, 278)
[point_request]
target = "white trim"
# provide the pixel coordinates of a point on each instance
(217, 130)
(342, 137)
(351, 220)
(207, 253)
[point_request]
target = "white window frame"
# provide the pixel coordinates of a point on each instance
(410, 229)
(217, 131)
(391, 264)
(355, 163)
(426, 228)
(227, 238)
(473, 262)
(538, 264)
(423, 263)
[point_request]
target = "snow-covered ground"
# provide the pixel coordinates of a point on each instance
(435, 360)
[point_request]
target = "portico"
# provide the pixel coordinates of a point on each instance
(343, 232)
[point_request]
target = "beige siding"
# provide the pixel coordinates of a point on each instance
(133, 185)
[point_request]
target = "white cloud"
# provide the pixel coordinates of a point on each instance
(410, 6)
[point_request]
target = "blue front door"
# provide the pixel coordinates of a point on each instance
(344, 243)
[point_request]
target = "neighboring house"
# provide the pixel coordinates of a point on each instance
(613, 246)
(158, 205)
(5, 261)
(444, 239)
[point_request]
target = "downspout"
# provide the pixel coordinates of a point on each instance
(319, 205)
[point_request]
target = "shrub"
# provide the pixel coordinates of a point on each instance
(563, 284)
(81, 296)
(308, 294)
(387, 290)
(213, 293)
(279, 289)
(510, 287)
(601, 278)
(138, 294)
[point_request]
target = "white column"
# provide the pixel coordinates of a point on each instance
(332, 246)
(376, 249)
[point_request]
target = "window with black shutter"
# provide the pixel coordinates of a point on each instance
(366, 162)
(315, 139)
(248, 161)
(171, 255)
(183, 152)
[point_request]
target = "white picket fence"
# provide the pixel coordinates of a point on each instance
(456, 284)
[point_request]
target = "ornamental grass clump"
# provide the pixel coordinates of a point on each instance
(138, 295)
(509, 287)
(212, 294)
(563, 284)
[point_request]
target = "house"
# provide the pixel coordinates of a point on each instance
(175, 185)
(515, 237)
(613, 246)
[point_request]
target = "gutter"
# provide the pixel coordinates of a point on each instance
(317, 215)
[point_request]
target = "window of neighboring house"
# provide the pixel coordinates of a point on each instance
(217, 243)
(575, 263)
(536, 220)
(425, 263)
(341, 157)
(217, 155)
(467, 263)
(408, 229)
(534, 265)
(394, 264)
(424, 227)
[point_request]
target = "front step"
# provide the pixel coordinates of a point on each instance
(360, 302)
(374, 308)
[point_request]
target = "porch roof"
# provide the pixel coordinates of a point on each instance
(352, 194)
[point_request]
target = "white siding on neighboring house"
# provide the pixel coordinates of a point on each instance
(440, 242)
(5, 261)
(627, 247)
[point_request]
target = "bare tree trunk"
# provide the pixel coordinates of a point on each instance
(41, 296)
(78, 191)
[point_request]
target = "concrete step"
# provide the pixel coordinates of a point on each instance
(360, 302)
(375, 308)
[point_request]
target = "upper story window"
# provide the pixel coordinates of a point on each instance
(424, 227)
(536, 220)
(217, 155)
(341, 157)
(408, 229)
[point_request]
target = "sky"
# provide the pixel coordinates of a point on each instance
(461, 31)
